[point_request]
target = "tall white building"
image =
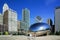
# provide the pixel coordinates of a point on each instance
(1, 19)
(57, 19)
(10, 18)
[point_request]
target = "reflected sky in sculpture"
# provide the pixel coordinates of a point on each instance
(39, 27)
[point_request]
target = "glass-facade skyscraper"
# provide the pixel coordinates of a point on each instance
(25, 19)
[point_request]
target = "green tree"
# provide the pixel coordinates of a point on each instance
(6, 33)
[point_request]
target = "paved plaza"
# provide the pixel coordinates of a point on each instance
(10, 37)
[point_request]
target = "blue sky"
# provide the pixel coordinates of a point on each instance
(43, 8)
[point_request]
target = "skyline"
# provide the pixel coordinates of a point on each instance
(43, 8)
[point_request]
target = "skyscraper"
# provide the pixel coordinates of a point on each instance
(49, 21)
(57, 19)
(25, 19)
(38, 19)
(9, 19)
(1, 19)
(1, 24)
(23, 26)
(18, 25)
